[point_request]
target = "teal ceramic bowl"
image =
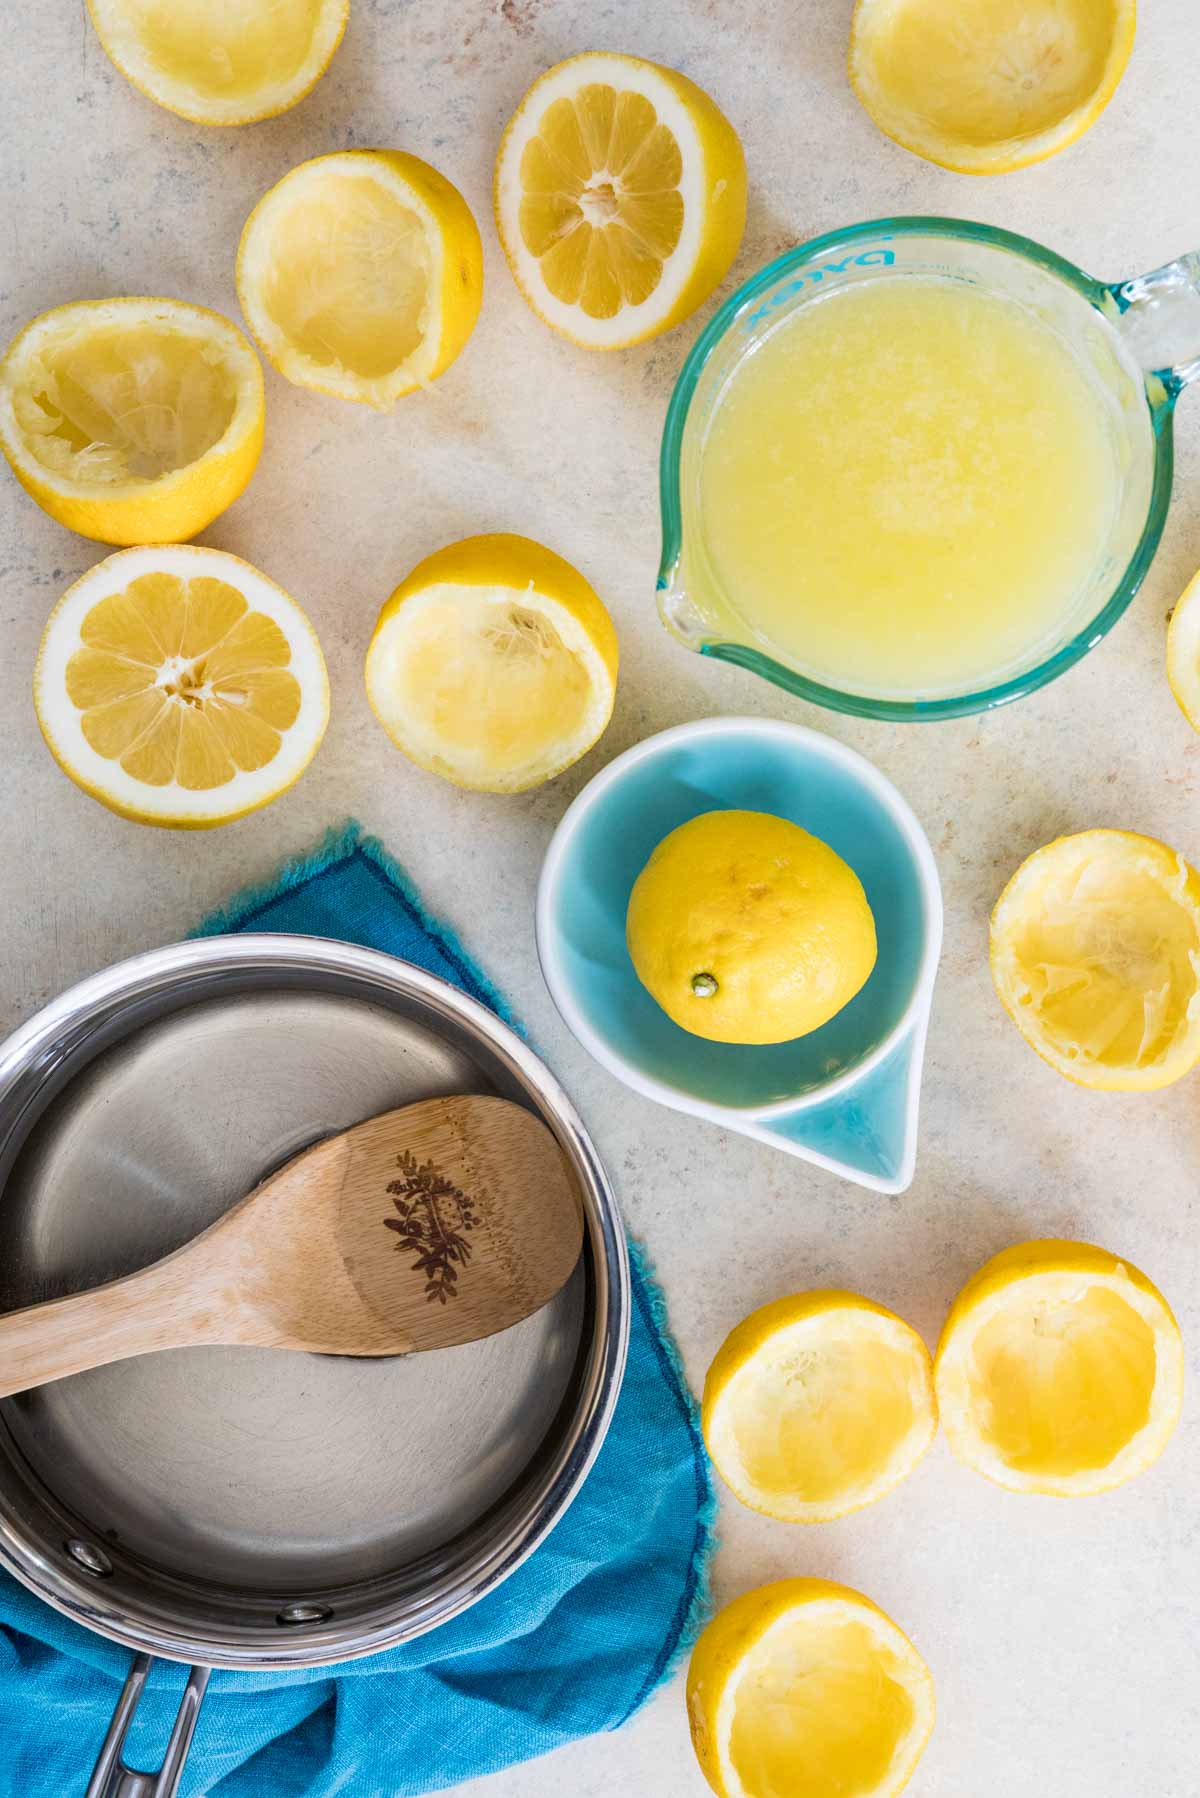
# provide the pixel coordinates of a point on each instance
(846, 1096)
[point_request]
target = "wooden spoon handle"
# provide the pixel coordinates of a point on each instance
(155, 1309)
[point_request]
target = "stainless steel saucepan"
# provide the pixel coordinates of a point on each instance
(249, 1507)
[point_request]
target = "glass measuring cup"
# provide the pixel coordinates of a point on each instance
(1138, 340)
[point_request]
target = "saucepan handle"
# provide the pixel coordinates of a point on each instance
(111, 1778)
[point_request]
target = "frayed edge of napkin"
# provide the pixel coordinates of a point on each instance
(340, 844)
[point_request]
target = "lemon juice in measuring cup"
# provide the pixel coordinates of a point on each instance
(913, 469)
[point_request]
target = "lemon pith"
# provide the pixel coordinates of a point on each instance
(818, 1404)
(131, 420)
(985, 86)
(747, 929)
(620, 197)
(360, 274)
(227, 64)
(1095, 955)
(180, 687)
(805, 1686)
(1060, 1370)
(493, 664)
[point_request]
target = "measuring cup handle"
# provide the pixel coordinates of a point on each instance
(111, 1778)
(1159, 317)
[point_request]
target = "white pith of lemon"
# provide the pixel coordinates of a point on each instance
(1060, 1370)
(818, 1404)
(221, 62)
(620, 196)
(131, 420)
(361, 274)
(806, 1688)
(1095, 954)
(180, 687)
(986, 86)
(494, 664)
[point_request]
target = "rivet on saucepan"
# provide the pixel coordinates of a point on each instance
(304, 1613)
(90, 1558)
(704, 985)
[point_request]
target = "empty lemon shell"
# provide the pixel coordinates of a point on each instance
(805, 1689)
(818, 1404)
(132, 420)
(361, 274)
(985, 86)
(1095, 954)
(221, 62)
(1060, 1370)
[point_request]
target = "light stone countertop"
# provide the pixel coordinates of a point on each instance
(1064, 1638)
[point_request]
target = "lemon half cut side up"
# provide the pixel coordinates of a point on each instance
(180, 687)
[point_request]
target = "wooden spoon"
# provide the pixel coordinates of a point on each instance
(425, 1227)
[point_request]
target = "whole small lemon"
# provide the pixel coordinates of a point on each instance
(747, 929)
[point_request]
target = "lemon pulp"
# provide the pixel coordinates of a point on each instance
(1064, 1378)
(348, 274)
(600, 204)
(224, 51)
(118, 405)
(181, 681)
(821, 1707)
(478, 669)
(905, 490)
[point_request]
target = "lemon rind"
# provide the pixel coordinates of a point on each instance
(1171, 870)
(759, 1335)
(455, 252)
(176, 505)
(1056, 1265)
(1004, 155)
(720, 1654)
(178, 98)
(520, 567)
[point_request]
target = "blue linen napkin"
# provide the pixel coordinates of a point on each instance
(575, 1641)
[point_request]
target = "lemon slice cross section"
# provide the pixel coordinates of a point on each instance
(180, 687)
(221, 62)
(1060, 1370)
(620, 197)
(818, 1404)
(806, 1687)
(360, 274)
(131, 420)
(494, 664)
(985, 86)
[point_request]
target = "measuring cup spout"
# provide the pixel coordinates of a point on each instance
(869, 1133)
(1159, 316)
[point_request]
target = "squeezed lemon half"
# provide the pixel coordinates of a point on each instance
(818, 1404)
(181, 687)
(747, 929)
(1183, 653)
(131, 420)
(1060, 1370)
(1095, 954)
(620, 197)
(807, 1688)
(361, 274)
(494, 664)
(984, 86)
(221, 62)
